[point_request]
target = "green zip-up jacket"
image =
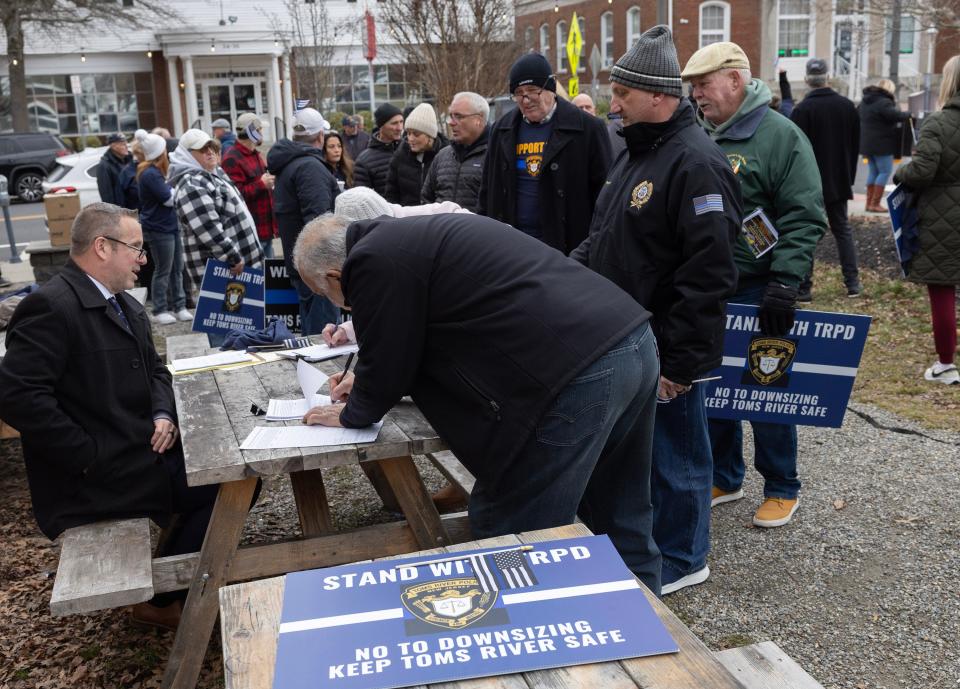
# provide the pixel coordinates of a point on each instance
(778, 172)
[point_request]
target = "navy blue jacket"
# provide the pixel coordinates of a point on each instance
(494, 325)
(304, 189)
(155, 215)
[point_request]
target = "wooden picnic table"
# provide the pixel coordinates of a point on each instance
(250, 622)
(215, 417)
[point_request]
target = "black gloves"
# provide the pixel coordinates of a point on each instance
(778, 309)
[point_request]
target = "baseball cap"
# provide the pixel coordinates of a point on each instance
(816, 66)
(247, 119)
(220, 123)
(114, 138)
(309, 121)
(194, 139)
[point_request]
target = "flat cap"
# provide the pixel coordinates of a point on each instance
(713, 57)
(816, 66)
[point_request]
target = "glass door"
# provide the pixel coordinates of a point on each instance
(229, 100)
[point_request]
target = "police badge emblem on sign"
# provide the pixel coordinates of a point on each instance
(233, 296)
(769, 358)
(448, 603)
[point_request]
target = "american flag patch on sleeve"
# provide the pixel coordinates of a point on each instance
(711, 203)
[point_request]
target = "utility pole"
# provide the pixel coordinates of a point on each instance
(663, 11)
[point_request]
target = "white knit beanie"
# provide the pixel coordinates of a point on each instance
(423, 119)
(361, 203)
(153, 144)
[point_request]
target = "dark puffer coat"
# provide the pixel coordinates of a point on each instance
(881, 123)
(370, 167)
(406, 174)
(456, 174)
(935, 173)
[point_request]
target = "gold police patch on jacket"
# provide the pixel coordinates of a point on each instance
(641, 194)
(448, 603)
(233, 296)
(769, 358)
(534, 165)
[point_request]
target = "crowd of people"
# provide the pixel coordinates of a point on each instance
(549, 288)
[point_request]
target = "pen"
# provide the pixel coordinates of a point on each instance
(704, 380)
(347, 367)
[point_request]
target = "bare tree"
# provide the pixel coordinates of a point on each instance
(308, 32)
(455, 45)
(51, 17)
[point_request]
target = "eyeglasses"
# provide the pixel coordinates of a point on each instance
(139, 249)
(528, 97)
(457, 117)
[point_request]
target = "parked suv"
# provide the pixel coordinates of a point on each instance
(26, 158)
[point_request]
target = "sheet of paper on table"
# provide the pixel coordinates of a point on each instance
(288, 410)
(210, 361)
(319, 352)
(275, 437)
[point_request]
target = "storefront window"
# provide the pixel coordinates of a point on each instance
(352, 87)
(108, 103)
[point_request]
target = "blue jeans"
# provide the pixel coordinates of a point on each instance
(590, 454)
(315, 311)
(775, 445)
(879, 169)
(680, 484)
(166, 288)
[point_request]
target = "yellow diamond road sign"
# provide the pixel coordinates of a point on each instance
(574, 44)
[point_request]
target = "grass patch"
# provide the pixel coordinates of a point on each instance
(734, 641)
(899, 346)
(89, 652)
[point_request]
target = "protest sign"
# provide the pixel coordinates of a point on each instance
(904, 221)
(229, 302)
(395, 623)
(282, 303)
(803, 378)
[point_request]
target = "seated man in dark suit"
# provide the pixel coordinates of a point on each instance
(93, 402)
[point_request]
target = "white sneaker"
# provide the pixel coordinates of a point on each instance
(692, 579)
(165, 318)
(942, 373)
(184, 315)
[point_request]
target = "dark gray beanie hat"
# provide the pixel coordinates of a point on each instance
(651, 64)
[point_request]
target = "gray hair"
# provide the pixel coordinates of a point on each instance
(477, 103)
(322, 245)
(816, 81)
(96, 220)
(308, 139)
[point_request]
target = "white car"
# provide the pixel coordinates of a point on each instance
(77, 172)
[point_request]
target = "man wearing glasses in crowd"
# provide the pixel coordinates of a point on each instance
(546, 161)
(457, 170)
(93, 402)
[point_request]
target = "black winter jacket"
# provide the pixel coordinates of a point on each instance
(370, 167)
(406, 174)
(494, 325)
(574, 169)
(304, 189)
(832, 124)
(881, 123)
(456, 174)
(656, 235)
(108, 177)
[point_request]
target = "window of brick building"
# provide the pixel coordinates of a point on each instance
(714, 22)
(545, 40)
(582, 64)
(561, 46)
(606, 39)
(633, 27)
(794, 29)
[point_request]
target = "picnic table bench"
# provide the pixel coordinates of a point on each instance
(250, 623)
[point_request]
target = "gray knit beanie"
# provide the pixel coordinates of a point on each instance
(361, 203)
(651, 64)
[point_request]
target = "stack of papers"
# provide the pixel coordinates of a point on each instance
(319, 352)
(210, 361)
(275, 437)
(288, 410)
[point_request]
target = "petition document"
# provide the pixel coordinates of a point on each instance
(270, 438)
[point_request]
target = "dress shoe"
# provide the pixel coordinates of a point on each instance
(449, 499)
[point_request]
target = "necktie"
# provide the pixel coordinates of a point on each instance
(116, 307)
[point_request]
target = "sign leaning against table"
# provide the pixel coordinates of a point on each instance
(802, 378)
(229, 302)
(477, 613)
